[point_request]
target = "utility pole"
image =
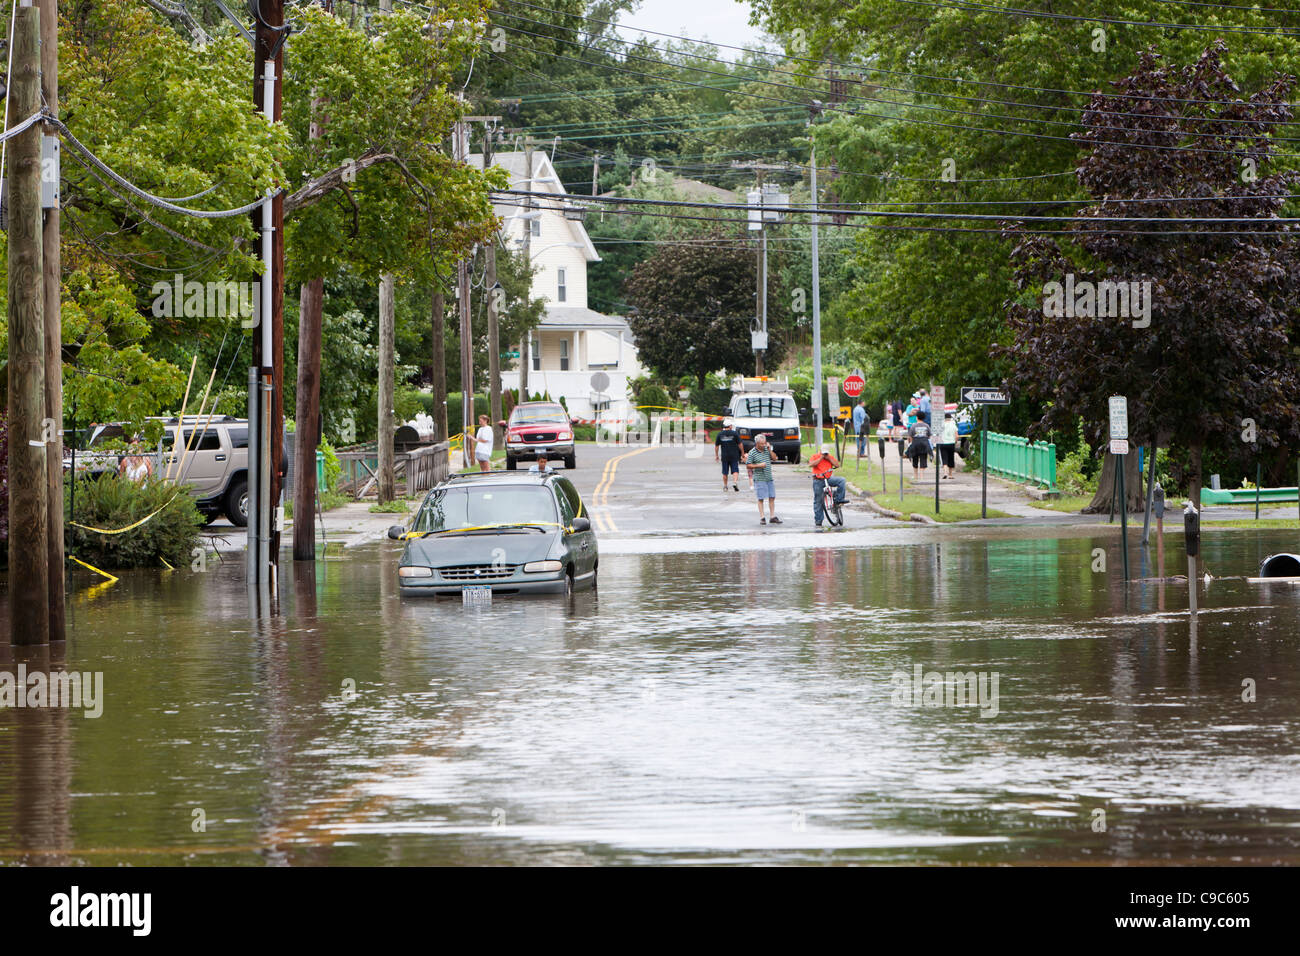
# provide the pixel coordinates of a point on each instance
(29, 596)
(525, 360)
(762, 200)
(595, 173)
(438, 322)
(307, 413)
(265, 396)
(387, 324)
(460, 133)
(494, 297)
(53, 286)
(817, 295)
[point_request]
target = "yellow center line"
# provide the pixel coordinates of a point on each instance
(601, 495)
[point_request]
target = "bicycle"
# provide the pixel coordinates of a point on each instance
(830, 507)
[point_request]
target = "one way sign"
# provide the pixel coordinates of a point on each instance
(981, 395)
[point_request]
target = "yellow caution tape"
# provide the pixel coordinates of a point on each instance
(111, 578)
(165, 564)
(128, 527)
(485, 527)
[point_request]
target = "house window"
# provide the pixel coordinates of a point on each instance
(535, 226)
(564, 355)
(536, 348)
(560, 288)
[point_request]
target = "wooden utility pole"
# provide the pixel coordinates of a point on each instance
(268, 343)
(525, 360)
(53, 286)
(438, 321)
(387, 322)
(595, 173)
(307, 414)
(29, 597)
(307, 411)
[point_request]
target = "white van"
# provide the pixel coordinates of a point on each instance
(766, 406)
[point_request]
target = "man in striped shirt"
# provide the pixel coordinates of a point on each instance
(759, 463)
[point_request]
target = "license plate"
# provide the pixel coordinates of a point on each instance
(476, 594)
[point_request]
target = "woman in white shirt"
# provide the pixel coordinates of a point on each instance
(948, 442)
(483, 441)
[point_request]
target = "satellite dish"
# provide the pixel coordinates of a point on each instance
(600, 381)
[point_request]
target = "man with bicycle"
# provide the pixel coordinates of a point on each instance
(823, 463)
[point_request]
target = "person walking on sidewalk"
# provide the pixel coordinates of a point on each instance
(923, 408)
(726, 449)
(759, 464)
(947, 443)
(860, 426)
(919, 449)
(483, 442)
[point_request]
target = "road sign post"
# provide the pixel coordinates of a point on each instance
(986, 396)
(938, 399)
(1119, 449)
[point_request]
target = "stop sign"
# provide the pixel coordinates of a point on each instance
(853, 385)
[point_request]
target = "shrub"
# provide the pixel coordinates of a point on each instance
(112, 502)
(332, 467)
(654, 395)
(454, 407)
(4, 481)
(584, 432)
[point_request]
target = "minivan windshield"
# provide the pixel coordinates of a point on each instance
(464, 506)
(537, 414)
(764, 406)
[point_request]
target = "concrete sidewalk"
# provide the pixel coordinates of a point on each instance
(347, 526)
(1005, 496)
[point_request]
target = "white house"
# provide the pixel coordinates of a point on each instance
(572, 343)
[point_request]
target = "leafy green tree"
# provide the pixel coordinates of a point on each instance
(693, 304)
(1205, 345)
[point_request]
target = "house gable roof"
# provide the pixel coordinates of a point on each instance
(544, 181)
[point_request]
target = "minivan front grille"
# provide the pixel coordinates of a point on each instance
(478, 572)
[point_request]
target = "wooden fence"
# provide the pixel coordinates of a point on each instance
(415, 470)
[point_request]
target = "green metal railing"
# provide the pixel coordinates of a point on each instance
(1011, 456)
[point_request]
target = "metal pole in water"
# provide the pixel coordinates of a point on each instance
(984, 465)
(1192, 542)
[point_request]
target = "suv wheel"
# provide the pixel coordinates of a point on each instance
(237, 503)
(510, 463)
(571, 461)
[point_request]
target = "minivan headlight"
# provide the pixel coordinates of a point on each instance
(410, 571)
(533, 567)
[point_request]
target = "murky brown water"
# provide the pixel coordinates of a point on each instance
(709, 705)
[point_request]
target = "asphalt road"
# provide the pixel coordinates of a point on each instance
(643, 490)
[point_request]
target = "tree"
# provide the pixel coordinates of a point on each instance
(965, 103)
(693, 307)
(1210, 357)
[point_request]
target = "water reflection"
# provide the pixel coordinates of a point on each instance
(710, 705)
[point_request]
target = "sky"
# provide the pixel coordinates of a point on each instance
(722, 21)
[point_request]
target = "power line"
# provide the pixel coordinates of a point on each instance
(912, 92)
(920, 122)
(851, 67)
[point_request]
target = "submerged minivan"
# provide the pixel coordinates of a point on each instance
(510, 533)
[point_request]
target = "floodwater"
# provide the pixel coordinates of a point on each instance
(720, 700)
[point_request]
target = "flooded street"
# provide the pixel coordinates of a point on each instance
(737, 698)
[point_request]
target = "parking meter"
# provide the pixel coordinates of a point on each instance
(1192, 530)
(1158, 502)
(881, 443)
